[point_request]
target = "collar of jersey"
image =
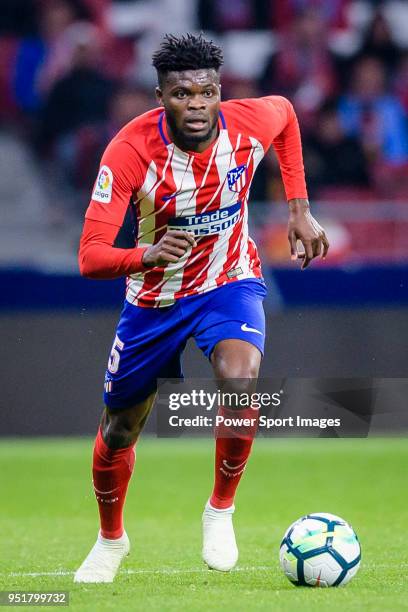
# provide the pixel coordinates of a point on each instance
(166, 139)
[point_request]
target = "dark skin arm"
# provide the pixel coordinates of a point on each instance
(302, 226)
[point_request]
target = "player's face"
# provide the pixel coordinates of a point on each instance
(191, 101)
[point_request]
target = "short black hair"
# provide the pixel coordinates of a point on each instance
(186, 52)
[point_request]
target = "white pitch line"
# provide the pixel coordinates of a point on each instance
(132, 572)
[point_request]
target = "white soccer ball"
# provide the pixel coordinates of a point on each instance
(320, 550)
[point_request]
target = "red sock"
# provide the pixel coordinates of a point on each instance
(111, 470)
(232, 448)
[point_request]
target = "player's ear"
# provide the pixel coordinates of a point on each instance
(159, 96)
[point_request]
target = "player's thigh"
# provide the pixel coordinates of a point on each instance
(147, 346)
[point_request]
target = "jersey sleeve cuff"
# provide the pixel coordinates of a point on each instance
(137, 260)
(297, 197)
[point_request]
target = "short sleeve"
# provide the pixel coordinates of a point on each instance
(118, 178)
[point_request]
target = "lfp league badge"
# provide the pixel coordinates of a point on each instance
(237, 178)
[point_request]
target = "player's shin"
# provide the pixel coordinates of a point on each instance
(112, 470)
(234, 435)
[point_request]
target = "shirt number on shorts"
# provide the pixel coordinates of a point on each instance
(114, 357)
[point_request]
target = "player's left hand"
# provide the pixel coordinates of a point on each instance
(302, 226)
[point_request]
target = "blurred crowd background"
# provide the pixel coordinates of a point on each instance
(73, 72)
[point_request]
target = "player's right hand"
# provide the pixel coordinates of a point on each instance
(170, 248)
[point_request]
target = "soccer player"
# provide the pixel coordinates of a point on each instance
(182, 173)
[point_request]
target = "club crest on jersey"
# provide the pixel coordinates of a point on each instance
(237, 178)
(103, 186)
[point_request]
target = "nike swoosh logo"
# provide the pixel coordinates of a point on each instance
(233, 467)
(245, 328)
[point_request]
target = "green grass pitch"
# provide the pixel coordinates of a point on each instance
(49, 522)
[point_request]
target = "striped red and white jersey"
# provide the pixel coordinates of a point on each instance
(206, 193)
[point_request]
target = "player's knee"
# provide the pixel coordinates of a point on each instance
(237, 363)
(116, 435)
(121, 429)
(236, 378)
(226, 369)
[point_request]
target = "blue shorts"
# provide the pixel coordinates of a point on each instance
(149, 341)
